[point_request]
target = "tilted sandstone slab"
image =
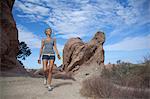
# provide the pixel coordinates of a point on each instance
(77, 53)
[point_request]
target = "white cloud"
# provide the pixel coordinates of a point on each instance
(135, 14)
(32, 9)
(33, 1)
(32, 40)
(71, 35)
(128, 44)
(68, 17)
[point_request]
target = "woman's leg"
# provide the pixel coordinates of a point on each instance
(45, 69)
(51, 63)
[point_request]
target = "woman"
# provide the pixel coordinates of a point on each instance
(48, 49)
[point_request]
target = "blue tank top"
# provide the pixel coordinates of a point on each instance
(48, 47)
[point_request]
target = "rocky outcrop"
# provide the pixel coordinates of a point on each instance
(77, 53)
(9, 45)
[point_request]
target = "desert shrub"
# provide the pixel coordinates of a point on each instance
(147, 59)
(116, 74)
(98, 88)
(133, 75)
(122, 81)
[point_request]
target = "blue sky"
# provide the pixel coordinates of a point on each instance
(126, 24)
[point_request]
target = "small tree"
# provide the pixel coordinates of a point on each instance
(147, 59)
(118, 61)
(24, 51)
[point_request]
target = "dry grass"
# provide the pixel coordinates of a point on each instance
(97, 87)
(123, 81)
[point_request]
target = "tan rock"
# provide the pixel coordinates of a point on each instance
(9, 45)
(77, 53)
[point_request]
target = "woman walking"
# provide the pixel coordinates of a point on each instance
(47, 51)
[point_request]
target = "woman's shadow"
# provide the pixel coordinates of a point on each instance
(63, 77)
(61, 84)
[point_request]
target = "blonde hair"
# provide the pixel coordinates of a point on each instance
(47, 30)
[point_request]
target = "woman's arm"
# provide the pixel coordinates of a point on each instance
(41, 49)
(55, 48)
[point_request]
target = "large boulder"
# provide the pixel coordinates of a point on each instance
(9, 44)
(77, 53)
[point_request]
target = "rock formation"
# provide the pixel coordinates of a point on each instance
(77, 53)
(9, 45)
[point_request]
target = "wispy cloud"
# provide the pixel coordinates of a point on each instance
(68, 17)
(32, 40)
(129, 44)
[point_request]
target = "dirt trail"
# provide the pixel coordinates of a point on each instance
(33, 88)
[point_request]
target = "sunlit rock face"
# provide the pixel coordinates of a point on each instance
(77, 53)
(9, 45)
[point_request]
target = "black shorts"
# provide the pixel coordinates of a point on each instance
(47, 57)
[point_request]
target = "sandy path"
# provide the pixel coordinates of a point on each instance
(33, 88)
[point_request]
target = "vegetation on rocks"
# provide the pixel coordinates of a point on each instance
(123, 80)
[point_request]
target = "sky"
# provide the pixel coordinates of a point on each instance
(126, 24)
